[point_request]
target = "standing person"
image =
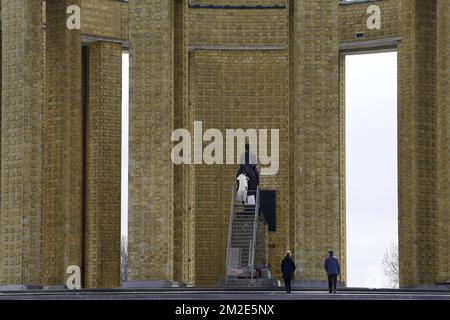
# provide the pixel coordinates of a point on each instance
(333, 269)
(288, 268)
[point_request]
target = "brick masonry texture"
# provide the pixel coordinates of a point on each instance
(226, 27)
(316, 137)
(21, 166)
(418, 171)
(443, 103)
(183, 257)
(240, 67)
(103, 165)
(353, 19)
(62, 149)
(406, 152)
(151, 124)
(104, 18)
(236, 89)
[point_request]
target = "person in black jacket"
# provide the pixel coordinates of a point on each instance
(333, 269)
(288, 269)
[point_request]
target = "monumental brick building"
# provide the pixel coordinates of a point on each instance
(272, 63)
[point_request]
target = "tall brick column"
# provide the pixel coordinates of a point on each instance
(443, 105)
(316, 138)
(103, 166)
(63, 153)
(178, 176)
(151, 188)
(418, 145)
(21, 153)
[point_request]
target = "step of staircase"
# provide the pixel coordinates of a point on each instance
(242, 229)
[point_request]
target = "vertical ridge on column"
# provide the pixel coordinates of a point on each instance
(151, 188)
(418, 144)
(103, 161)
(21, 153)
(63, 151)
(180, 247)
(316, 136)
(443, 115)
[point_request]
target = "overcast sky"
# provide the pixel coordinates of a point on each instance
(125, 86)
(371, 163)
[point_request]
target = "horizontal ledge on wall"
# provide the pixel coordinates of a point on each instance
(236, 48)
(88, 38)
(193, 4)
(343, 2)
(369, 46)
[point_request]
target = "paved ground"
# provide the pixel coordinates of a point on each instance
(217, 294)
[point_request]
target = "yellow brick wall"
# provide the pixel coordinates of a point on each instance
(21, 145)
(316, 137)
(443, 105)
(418, 212)
(151, 192)
(105, 18)
(230, 90)
(219, 66)
(181, 248)
(237, 27)
(62, 147)
(353, 19)
(217, 27)
(103, 160)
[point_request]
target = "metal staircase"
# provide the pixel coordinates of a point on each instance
(244, 227)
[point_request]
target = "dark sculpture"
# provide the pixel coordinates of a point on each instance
(250, 169)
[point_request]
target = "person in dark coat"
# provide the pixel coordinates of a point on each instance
(333, 269)
(288, 269)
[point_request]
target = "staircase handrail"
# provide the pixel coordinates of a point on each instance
(255, 226)
(230, 230)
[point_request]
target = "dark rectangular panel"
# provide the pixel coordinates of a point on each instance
(268, 203)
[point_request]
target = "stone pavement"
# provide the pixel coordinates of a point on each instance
(223, 294)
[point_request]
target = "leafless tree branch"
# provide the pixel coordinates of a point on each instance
(123, 259)
(390, 264)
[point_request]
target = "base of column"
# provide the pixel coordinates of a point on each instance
(150, 284)
(55, 287)
(314, 284)
(20, 287)
(431, 287)
(266, 283)
(257, 283)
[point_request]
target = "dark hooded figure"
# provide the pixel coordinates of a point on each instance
(288, 269)
(250, 163)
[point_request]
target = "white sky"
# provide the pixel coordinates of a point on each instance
(371, 163)
(124, 199)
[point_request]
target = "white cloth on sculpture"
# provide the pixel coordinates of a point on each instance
(251, 199)
(243, 187)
